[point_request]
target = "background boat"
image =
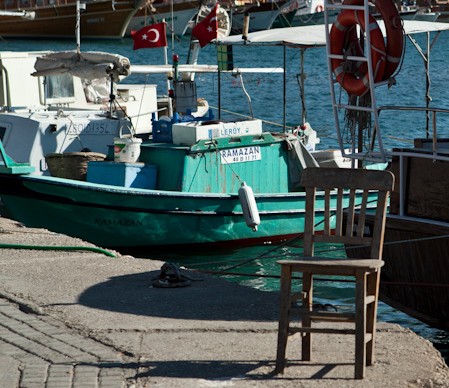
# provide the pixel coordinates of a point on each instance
(285, 17)
(176, 13)
(438, 8)
(311, 12)
(262, 14)
(423, 14)
(67, 101)
(57, 19)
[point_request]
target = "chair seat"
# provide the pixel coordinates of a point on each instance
(327, 265)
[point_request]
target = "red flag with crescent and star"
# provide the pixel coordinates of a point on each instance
(150, 36)
(206, 30)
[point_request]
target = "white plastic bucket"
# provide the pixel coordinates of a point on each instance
(127, 149)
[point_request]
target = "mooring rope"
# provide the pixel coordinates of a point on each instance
(393, 283)
(404, 241)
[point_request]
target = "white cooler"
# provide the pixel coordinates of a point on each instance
(189, 133)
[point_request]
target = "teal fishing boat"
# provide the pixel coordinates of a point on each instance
(180, 193)
(194, 182)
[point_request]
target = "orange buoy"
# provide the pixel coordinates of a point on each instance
(355, 80)
(394, 46)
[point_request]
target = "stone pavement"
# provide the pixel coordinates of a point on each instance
(36, 351)
(81, 319)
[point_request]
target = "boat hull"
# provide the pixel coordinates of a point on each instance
(129, 219)
(261, 17)
(415, 277)
(178, 20)
(309, 19)
(115, 217)
(102, 19)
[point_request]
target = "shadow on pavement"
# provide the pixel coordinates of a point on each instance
(206, 299)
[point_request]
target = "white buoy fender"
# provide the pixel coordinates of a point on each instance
(249, 206)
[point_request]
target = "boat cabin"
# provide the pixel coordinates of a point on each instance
(215, 156)
(61, 112)
(21, 91)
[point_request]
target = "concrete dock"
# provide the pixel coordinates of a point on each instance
(72, 318)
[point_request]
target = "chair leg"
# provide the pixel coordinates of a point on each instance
(307, 303)
(360, 325)
(372, 289)
(284, 317)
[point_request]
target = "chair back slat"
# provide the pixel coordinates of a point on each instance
(346, 192)
(350, 213)
(362, 214)
(379, 225)
(327, 212)
(339, 215)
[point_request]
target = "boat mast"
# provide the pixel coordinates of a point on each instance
(284, 79)
(169, 102)
(80, 7)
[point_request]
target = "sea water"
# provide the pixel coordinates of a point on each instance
(256, 267)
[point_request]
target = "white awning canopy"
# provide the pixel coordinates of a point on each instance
(313, 36)
(88, 65)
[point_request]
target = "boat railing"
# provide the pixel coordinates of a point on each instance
(431, 118)
(34, 3)
(439, 150)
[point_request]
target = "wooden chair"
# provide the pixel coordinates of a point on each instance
(366, 270)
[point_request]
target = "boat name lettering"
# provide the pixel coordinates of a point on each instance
(244, 154)
(95, 20)
(230, 131)
(90, 128)
(167, 19)
(117, 222)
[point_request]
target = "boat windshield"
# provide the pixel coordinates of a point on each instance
(59, 89)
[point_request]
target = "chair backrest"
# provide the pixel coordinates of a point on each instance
(332, 192)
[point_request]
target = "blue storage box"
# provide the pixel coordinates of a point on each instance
(137, 175)
(162, 128)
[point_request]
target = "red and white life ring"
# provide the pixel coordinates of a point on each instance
(394, 46)
(341, 31)
(319, 8)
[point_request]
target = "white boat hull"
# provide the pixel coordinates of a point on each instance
(179, 21)
(258, 21)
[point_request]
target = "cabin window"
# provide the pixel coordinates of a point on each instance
(59, 89)
(2, 133)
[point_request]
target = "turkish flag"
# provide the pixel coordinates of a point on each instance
(206, 30)
(150, 36)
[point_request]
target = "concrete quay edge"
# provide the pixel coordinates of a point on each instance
(81, 319)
